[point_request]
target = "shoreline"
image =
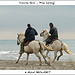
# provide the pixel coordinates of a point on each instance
(34, 65)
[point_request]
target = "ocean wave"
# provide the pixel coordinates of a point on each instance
(4, 52)
(8, 52)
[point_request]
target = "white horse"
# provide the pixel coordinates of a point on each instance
(33, 47)
(57, 45)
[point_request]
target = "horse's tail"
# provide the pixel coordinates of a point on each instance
(48, 48)
(65, 48)
(45, 47)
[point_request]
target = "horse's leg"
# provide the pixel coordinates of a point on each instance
(55, 55)
(37, 54)
(27, 58)
(59, 55)
(19, 58)
(48, 56)
(44, 57)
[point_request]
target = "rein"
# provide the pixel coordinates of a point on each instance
(46, 34)
(19, 39)
(47, 38)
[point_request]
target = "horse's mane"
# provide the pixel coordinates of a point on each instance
(46, 30)
(22, 34)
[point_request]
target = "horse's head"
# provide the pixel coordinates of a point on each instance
(20, 38)
(45, 34)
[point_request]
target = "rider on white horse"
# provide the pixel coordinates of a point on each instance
(54, 34)
(29, 36)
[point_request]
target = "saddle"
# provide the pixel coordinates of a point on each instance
(55, 38)
(26, 43)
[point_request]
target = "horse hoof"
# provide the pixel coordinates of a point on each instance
(45, 56)
(16, 62)
(49, 64)
(39, 64)
(49, 61)
(46, 62)
(57, 59)
(26, 63)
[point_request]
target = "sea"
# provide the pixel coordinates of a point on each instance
(9, 50)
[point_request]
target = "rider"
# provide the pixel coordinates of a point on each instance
(54, 34)
(29, 36)
(30, 33)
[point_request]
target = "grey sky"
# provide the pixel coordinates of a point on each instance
(34, 0)
(14, 19)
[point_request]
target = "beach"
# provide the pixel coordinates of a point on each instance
(9, 53)
(34, 65)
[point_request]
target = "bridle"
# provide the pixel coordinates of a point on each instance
(44, 35)
(18, 39)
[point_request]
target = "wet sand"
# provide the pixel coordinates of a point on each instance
(34, 65)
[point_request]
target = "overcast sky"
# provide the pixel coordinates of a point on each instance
(14, 19)
(34, 0)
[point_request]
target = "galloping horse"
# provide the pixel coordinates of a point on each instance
(33, 47)
(57, 45)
